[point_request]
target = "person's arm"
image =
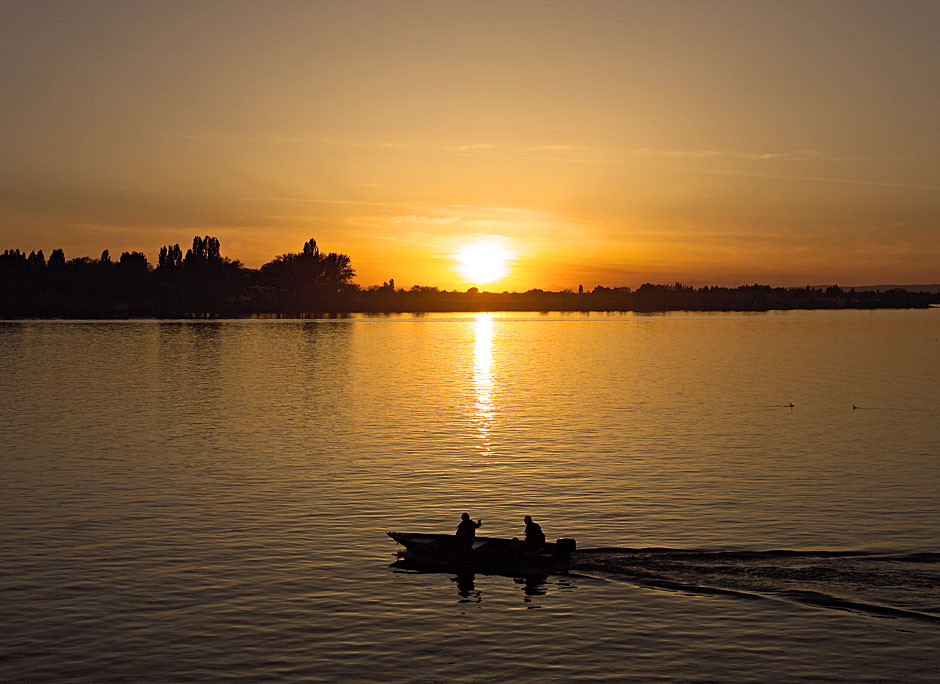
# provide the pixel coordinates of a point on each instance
(479, 523)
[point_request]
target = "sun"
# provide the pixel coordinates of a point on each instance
(483, 262)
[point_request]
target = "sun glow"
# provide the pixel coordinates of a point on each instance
(483, 262)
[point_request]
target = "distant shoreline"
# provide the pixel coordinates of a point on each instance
(365, 303)
(203, 284)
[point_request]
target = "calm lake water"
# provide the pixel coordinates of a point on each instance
(205, 501)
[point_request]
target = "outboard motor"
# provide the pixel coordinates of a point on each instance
(564, 548)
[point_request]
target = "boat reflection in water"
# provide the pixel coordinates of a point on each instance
(532, 586)
(466, 588)
(529, 567)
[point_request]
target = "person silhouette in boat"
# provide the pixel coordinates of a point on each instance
(534, 537)
(467, 532)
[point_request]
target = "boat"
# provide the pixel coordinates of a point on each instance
(488, 555)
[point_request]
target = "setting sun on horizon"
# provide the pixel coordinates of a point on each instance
(484, 262)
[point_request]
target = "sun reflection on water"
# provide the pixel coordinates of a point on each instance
(483, 377)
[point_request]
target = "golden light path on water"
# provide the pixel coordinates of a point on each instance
(483, 379)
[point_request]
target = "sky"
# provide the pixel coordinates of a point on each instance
(583, 143)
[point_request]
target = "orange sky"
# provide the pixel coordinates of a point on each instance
(596, 143)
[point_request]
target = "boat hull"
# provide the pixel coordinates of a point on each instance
(488, 555)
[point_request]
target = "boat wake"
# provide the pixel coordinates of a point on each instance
(905, 585)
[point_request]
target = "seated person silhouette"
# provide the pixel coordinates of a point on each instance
(534, 537)
(466, 532)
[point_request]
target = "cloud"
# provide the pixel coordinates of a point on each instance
(413, 218)
(91, 226)
(555, 148)
(476, 147)
(250, 140)
(284, 139)
(319, 200)
(367, 144)
(824, 179)
(396, 239)
(797, 155)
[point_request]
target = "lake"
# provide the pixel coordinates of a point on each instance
(208, 500)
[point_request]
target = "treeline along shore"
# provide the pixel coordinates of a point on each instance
(203, 283)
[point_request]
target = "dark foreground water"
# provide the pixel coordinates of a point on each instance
(208, 501)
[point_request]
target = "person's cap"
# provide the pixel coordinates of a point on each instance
(528, 518)
(465, 516)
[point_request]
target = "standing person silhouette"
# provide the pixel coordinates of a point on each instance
(466, 532)
(534, 537)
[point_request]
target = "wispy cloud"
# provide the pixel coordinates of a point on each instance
(562, 154)
(90, 226)
(823, 179)
(556, 148)
(796, 155)
(392, 238)
(414, 218)
(319, 200)
(367, 144)
(284, 140)
(475, 147)
(229, 139)
(432, 223)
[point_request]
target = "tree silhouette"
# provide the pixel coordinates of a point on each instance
(170, 257)
(307, 281)
(134, 262)
(56, 259)
(337, 271)
(204, 249)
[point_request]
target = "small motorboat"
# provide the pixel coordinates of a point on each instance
(489, 555)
